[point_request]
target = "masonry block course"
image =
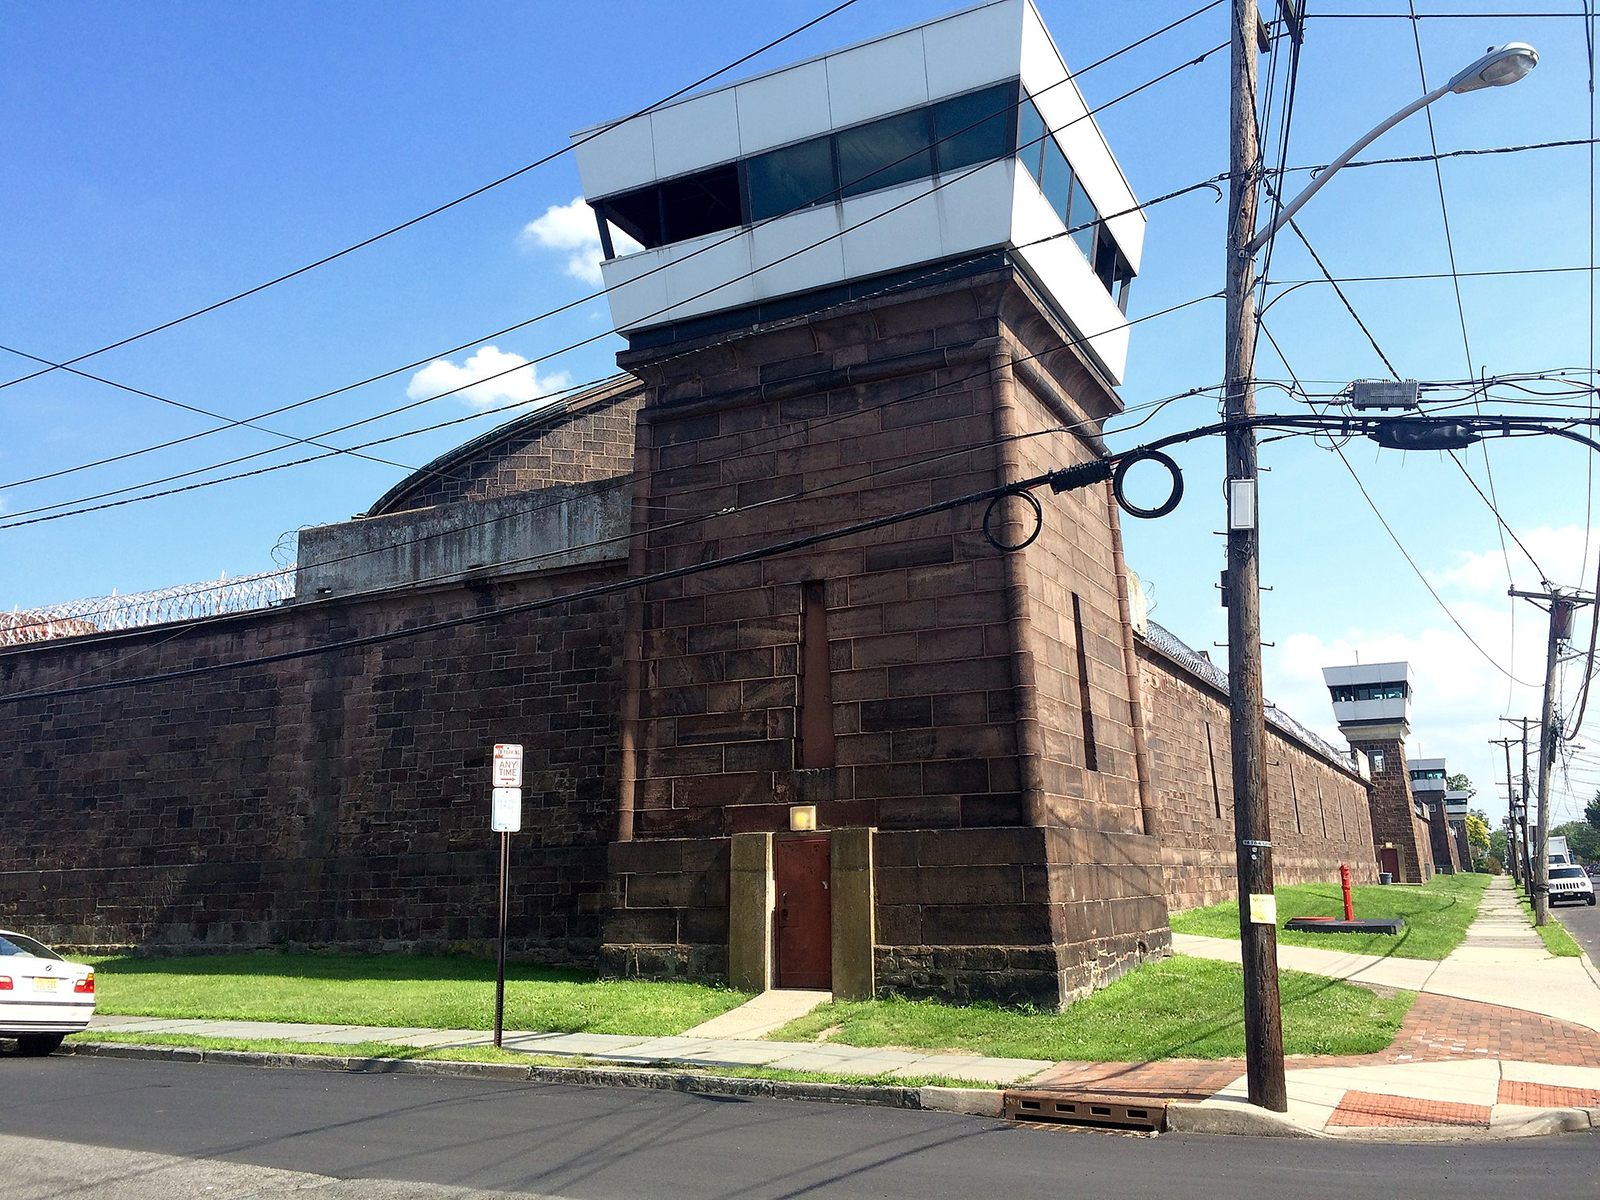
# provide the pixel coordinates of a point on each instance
(337, 799)
(1396, 824)
(1318, 809)
(1021, 788)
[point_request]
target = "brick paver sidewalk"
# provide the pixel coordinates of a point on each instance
(1456, 1062)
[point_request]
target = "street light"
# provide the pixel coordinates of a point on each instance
(1263, 1018)
(1502, 65)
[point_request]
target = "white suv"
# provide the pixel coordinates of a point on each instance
(1570, 884)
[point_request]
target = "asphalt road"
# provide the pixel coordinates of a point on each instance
(1583, 923)
(92, 1127)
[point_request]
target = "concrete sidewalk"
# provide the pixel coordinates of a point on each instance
(1487, 1049)
(1502, 961)
(685, 1051)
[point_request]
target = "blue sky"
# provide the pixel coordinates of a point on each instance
(164, 156)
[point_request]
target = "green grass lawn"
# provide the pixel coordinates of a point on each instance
(396, 989)
(1436, 915)
(1554, 934)
(1174, 1008)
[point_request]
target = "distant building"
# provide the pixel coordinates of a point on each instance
(1372, 703)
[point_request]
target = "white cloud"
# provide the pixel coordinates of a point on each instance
(569, 228)
(488, 378)
(1458, 695)
(1559, 551)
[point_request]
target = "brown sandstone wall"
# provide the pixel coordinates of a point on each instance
(935, 639)
(339, 799)
(589, 441)
(1393, 808)
(1319, 811)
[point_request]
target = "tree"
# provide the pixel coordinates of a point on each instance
(1591, 811)
(1460, 783)
(1497, 845)
(1477, 835)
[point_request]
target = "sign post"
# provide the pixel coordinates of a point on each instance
(505, 818)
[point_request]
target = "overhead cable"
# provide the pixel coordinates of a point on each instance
(433, 212)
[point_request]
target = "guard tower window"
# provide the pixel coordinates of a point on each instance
(795, 177)
(701, 203)
(955, 133)
(1084, 215)
(1057, 180)
(637, 214)
(1345, 693)
(1031, 137)
(884, 153)
(973, 128)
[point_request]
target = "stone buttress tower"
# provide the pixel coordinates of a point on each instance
(906, 760)
(1372, 703)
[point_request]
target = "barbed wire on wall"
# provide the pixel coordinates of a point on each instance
(182, 602)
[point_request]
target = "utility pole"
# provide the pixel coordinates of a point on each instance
(1519, 824)
(1258, 931)
(1511, 809)
(1522, 806)
(1562, 606)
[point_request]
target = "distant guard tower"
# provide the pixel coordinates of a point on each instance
(1372, 703)
(908, 760)
(1428, 786)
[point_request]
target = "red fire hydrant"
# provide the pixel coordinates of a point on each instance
(1344, 882)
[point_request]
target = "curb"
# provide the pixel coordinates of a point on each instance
(1234, 1118)
(974, 1102)
(1238, 1118)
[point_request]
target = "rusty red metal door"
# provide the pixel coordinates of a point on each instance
(1389, 860)
(804, 920)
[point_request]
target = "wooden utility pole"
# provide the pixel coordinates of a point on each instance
(1522, 817)
(1519, 824)
(1258, 931)
(1511, 810)
(1562, 606)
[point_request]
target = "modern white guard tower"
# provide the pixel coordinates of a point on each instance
(858, 171)
(1371, 701)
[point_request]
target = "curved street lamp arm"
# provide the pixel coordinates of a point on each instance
(1294, 206)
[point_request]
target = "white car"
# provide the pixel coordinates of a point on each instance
(43, 997)
(1570, 884)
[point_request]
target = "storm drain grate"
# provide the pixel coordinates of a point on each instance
(1119, 1112)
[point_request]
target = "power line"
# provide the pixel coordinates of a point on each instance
(1461, 312)
(809, 426)
(1443, 16)
(34, 520)
(938, 185)
(1059, 479)
(1288, 285)
(249, 424)
(1394, 537)
(1327, 275)
(663, 266)
(1543, 577)
(1588, 490)
(433, 212)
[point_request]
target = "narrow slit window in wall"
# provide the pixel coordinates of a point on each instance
(1091, 756)
(1294, 798)
(816, 682)
(1211, 757)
